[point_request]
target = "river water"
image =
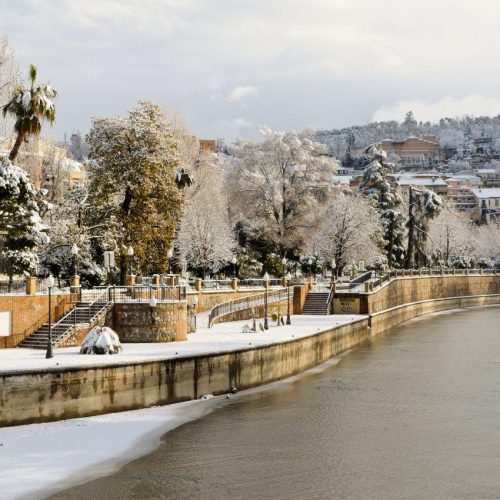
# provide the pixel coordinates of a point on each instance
(414, 413)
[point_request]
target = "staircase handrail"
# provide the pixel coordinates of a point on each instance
(37, 324)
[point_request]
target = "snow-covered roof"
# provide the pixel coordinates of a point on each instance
(72, 165)
(486, 171)
(341, 179)
(473, 179)
(421, 181)
(486, 193)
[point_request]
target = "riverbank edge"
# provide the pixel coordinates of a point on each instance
(31, 397)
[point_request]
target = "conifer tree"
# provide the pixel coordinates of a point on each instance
(21, 229)
(376, 186)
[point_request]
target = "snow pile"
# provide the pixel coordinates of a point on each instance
(101, 340)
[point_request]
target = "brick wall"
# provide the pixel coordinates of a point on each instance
(27, 312)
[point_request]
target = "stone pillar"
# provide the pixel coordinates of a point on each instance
(234, 283)
(367, 287)
(130, 280)
(310, 282)
(156, 280)
(74, 286)
(31, 285)
(198, 284)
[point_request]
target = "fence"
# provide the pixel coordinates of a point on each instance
(246, 303)
(401, 273)
(15, 286)
(138, 293)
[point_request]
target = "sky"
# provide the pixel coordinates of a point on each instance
(231, 66)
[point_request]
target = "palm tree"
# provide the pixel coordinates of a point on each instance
(29, 105)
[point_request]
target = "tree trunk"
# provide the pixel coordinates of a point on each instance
(127, 201)
(411, 230)
(15, 149)
(390, 244)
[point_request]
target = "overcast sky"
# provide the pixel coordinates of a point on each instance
(229, 66)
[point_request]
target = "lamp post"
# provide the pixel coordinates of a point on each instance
(334, 266)
(130, 253)
(233, 262)
(74, 253)
(265, 278)
(50, 283)
(170, 254)
(288, 277)
(310, 262)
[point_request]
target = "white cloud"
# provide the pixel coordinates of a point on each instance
(241, 123)
(474, 104)
(238, 93)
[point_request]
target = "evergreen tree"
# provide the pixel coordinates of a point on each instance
(423, 206)
(133, 165)
(21, 229)
(376, 186)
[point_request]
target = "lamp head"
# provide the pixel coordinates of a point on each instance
(74, 249)
(152, 302)
(288, 277)
(130, 251)
(266, 276)
(50, 281)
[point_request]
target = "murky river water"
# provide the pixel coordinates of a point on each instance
(412, 414)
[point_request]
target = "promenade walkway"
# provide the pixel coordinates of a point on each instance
(221, 337)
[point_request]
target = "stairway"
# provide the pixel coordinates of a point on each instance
(316, 303)
(82, 314)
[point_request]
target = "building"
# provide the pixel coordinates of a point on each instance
(413, 152)
(460, 196)
(487, 204)
(431, 182)
(489, 177)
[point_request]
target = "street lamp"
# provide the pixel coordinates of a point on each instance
(288, 277)
(74, 253)
(234, 260)
(130, 253)
(265, 278)
(170, 254)
(195, 301)
(310, 262)
(334, 266)
(50, 283)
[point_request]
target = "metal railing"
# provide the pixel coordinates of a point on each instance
(377, 282)
(246, 303)
(138, 293)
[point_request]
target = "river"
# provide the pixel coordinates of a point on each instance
(414, 413)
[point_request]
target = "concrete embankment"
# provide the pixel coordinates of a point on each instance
(36, 396)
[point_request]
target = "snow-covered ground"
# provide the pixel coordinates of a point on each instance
(220, 338)
(39, 459)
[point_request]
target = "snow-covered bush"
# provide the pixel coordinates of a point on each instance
(101, 340)
(462, 261)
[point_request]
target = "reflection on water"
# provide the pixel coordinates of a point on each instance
(412, 414)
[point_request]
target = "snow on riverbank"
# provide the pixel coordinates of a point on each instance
(220, 338)
(43, 457)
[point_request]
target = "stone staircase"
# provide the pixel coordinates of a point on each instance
(316, 303)
(83, 314)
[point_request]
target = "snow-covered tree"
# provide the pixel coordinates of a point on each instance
(351, 230)
(451, 234)
(21, 228)
(205, 239)
(29, 105)
(423, 205)
(132, 171)
(276, 186)
(385, 198)
(9, 74)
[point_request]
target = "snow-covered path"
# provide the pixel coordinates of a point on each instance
(38, 459)
(220, 338)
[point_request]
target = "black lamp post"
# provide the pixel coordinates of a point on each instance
(233, 262)
(266, 285)
(288, 277)
(50, 283)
